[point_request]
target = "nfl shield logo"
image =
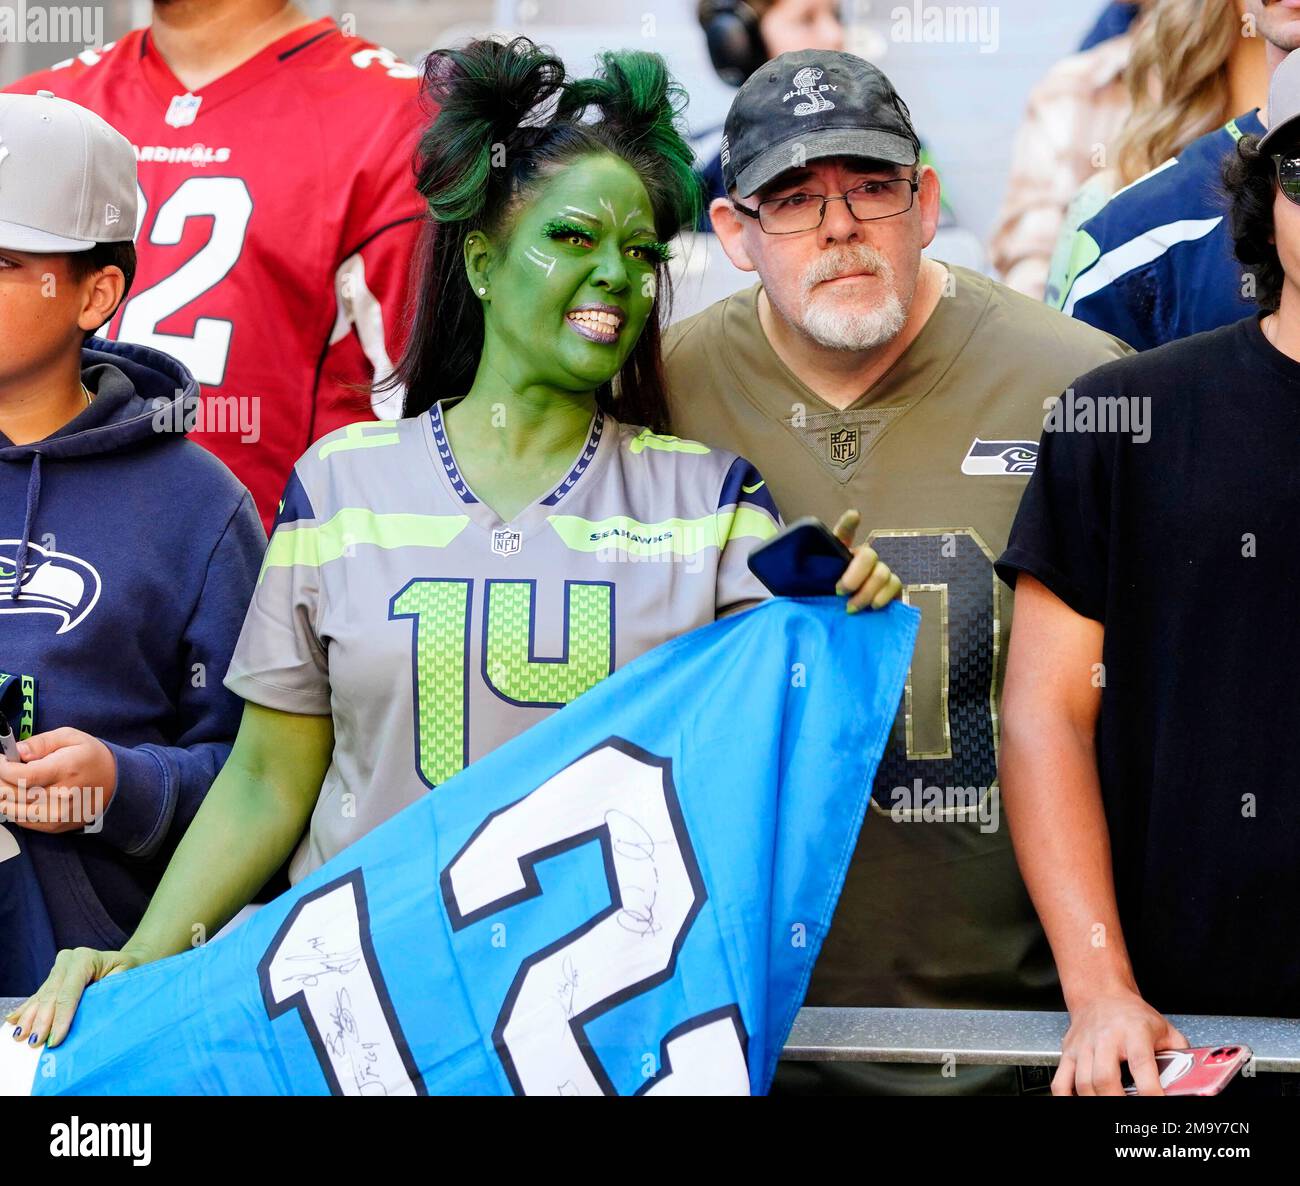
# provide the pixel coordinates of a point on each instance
(505, 542)
(844, 446)
(182, 110)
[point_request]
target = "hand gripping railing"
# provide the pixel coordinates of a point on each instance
(992, 1037)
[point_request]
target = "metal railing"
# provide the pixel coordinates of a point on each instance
(995, 1037)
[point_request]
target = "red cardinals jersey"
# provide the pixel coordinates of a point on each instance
(278, 216)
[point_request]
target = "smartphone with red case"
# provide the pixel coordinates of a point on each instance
(1202, 1070)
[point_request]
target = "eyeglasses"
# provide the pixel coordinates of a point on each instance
(801, 211)
(1288, 174)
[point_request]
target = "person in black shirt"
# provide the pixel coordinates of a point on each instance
(1151, 700)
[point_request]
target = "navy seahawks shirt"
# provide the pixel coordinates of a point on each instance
(1156, 262)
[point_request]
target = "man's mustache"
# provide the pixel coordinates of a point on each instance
(847, 261)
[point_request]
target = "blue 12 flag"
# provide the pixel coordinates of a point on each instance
(626, 899)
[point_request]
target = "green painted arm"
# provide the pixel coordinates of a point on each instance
(253, 815)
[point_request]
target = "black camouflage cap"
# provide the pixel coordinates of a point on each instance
(811, 104)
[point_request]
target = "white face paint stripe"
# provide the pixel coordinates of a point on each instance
(606, 205)
(584, 213)
(542, 260)
(631, 215)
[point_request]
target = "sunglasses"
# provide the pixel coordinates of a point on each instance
(1288, 174)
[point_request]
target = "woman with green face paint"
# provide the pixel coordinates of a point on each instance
(436, 585)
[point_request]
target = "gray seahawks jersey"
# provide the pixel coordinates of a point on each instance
(432, 632)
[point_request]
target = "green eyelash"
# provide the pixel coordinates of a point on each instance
(559, 228)
(660, 253)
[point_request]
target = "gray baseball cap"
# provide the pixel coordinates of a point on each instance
(67, 178)
(808, 105)
(1283, 99)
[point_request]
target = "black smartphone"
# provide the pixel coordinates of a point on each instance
(804, 560)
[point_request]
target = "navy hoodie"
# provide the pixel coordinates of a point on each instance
(138, 553)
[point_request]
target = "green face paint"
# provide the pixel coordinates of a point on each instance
(576, 284)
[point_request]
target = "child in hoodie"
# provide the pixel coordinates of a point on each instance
(128, 556)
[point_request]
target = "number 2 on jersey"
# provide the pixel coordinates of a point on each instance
(227, 202)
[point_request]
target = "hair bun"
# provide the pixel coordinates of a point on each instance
(485, 92)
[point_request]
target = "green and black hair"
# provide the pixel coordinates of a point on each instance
(508, 118)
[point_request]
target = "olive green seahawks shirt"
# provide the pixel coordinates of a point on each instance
(935, 456)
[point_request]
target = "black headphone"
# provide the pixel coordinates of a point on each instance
(735, 43)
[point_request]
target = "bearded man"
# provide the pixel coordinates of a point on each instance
(858, 372)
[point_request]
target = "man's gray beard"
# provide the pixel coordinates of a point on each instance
(853, 329)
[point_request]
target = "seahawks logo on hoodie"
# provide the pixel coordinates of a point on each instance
(53, 583)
